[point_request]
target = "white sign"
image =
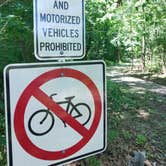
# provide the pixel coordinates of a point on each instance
(55, 112)
(59, 29)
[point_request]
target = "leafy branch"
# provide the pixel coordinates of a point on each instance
(4, 3)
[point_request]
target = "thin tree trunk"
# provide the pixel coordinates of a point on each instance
(132, 59)
(164, 60)
(143, 52)
(119, 55)
(151, 57)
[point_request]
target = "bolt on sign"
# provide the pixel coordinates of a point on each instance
(56, 114)
(59, 29)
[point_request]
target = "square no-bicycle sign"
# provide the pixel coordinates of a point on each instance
(55, 112)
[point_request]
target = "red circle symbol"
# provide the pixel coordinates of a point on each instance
(33, 89)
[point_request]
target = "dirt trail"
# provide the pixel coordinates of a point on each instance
(116, 74)
(148, 119)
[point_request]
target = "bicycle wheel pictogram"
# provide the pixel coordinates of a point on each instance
(84, 113)
(44, 119)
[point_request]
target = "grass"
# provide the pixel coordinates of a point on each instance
(141, 139)
(2, 130)
(112, 135)
(93, 161)
(128, 129)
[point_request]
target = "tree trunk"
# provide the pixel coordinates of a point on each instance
(119, 55)
(151, 55)
(164, 60)
(143, 52)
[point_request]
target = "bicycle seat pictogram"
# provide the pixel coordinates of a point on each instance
(80, 111)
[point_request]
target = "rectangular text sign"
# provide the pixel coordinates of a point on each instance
(59, 29)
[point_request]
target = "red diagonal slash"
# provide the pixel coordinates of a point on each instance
(60, 112)
(33, 89)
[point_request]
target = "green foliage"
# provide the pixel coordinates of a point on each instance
(119, 99)
(118, 31)
(127, 135)
(2, 134)
(98, 38)
(112, 134)
(16, 35)
(155, 68)
(141, 139)
(93, 161)
(114, 30)
(16, 38)
(114, 96)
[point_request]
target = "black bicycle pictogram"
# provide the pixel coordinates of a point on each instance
(77, 111)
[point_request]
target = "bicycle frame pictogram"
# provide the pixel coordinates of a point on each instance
(79, 110)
